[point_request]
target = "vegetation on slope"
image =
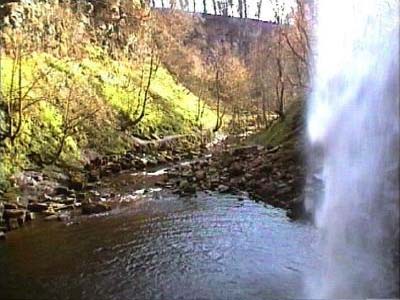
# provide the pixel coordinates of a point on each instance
(286, 131)
(76, 104)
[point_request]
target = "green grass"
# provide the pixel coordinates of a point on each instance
(282, 131)
(171, 107)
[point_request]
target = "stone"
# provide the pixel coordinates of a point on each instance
(21, 220)
(69, 201)
(200, 175)
(236, 169)
(12, 224)
(81, 196)
(47, 197)
(13, 213)
(223, 188)
(51, 218)
(245, 150)
(94, 176)
(187, 188)
(50, 211)
(63, 217)
(77, 182)
(62, 190)
(11, 196)
(8, 205)
(297, 209)
(37, 207)
(30, 216)
(89, 208)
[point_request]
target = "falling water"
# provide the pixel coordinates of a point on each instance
(353, 120)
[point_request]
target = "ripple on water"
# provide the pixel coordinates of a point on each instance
(209, 247)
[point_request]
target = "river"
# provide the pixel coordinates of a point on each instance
(211, 246)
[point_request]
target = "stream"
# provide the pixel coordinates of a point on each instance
(211, 246)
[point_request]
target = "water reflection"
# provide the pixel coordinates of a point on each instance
(209, 247)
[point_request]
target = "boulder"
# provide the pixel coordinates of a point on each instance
(8, 205)
(236, 169)
(62, 190)
(297, 209)
(37, 207)
(89, 208)
(13, 213)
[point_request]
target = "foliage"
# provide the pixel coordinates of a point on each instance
(76, 104)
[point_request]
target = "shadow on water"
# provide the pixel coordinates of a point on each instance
(208, 247)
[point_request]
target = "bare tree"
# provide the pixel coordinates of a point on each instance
(77, 106)
(18, 99)
(205, 6)
(298, 40)
(132, 116)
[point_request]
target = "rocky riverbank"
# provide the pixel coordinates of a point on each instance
(274, 175)
(55, 193)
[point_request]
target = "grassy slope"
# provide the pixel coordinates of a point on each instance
(287, 131)
(171, 108)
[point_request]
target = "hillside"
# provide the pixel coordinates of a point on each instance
(59, 103)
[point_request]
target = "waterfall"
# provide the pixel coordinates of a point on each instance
(353, 120)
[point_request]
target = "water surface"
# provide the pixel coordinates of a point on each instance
(208, 247)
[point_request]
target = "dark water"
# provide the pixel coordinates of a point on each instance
(209, 247)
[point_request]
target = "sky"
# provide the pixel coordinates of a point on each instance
(266, 9)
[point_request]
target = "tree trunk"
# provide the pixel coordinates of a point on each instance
(215, 7)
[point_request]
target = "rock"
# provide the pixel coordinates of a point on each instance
(21, 220)
(8, 205)
(186, 188)
(51, 218)
(11, 196)
(69, 201)
(200, 175)
(236, 169)
(37, 207)
(81, 196)
(62, 190)
(77, 182)
(30, 216)
(89, 208)
(94, 176)
(274, 149)
(13, 213)
(245, 150)
(2, 236)
(266, 168)
(223, 188)
(297, 209)
(63, 217)
(46, 198)
(12, 224)
(115, 167)
(50, 211)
